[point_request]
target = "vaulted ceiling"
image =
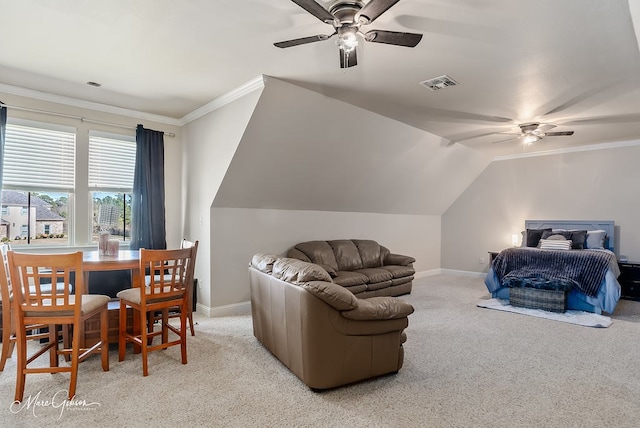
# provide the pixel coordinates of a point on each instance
(571, 63)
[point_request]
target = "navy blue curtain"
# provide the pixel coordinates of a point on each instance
(147, 205)
(3, 128)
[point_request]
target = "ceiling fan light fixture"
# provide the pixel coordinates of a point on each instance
(347, 39)
(529, 139)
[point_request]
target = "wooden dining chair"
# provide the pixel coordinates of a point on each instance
(8, 320)
(37, 301)
(166, 287)
(175, 311)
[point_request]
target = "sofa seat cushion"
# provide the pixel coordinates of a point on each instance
(348, 279)
(372, 286)
(375, 274)
(403, 280)
(399, 271)
(357, 289)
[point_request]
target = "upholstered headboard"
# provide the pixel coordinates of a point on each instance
(606, 225)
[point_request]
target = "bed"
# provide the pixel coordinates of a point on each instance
(592, 270)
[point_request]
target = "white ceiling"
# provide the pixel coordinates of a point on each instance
(517, 61)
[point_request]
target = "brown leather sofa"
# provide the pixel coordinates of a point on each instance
(364, 267)
(322, 332)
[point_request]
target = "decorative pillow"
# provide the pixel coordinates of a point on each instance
(263, 262)
(577, 237)
(595, 239)
(533, 236)
(555, 244)
(297, 271)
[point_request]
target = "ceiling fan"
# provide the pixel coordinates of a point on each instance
(534, 131)
(347, 17)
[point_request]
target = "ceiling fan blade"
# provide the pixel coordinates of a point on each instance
(505, 140)
(604, 120)
(558, 133)
(472, 136)
(372, 10)
(393, 38)
(316, 10)
(348, 59)
(301, 41)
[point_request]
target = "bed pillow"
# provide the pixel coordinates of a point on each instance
(533, 236)
(577, 237)
(555, 244)
(595, 239)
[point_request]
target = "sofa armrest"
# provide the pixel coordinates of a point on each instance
(398, 260)
(332, 294)
(379, 308)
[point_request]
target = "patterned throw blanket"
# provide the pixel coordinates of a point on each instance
(586, 269)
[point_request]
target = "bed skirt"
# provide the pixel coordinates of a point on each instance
(534, 298)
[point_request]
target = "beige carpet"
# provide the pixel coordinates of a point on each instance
(464, 367)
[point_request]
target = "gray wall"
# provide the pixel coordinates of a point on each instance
(285, 164)
(589, 185)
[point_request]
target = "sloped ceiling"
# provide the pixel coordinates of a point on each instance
(304, 151)
(572, 63)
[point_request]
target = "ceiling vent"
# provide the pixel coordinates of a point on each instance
(439, 83)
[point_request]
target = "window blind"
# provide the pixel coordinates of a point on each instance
(111, 163)
(39, 158)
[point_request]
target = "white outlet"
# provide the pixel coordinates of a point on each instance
(481, 260)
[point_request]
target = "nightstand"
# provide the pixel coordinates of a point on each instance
(629, 280)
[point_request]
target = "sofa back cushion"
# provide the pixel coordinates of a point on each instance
(318, 252)
(298, 272)
(369, 253)
(264, 262)
(346, 254)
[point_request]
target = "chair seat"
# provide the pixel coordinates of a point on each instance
(90, 303)
(133, 295)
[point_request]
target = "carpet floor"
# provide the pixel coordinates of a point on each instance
(464, 366)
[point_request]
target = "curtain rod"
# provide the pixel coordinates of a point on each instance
(80, 118)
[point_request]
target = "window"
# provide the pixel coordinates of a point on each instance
(38, 183)
(111, 167)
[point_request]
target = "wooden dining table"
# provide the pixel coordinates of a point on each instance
(93, 261)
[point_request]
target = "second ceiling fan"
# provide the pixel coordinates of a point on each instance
(534, 131)
(347, 17)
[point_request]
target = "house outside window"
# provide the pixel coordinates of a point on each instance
(38, 183)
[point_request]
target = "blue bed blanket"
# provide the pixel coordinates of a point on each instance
(584, 268)
(606, 298)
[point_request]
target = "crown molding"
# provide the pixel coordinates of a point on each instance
(89, 105)
(223, 100)
(589, 147)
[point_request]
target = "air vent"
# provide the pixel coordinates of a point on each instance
(439, 83)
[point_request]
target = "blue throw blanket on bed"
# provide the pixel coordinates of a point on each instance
(586, 269)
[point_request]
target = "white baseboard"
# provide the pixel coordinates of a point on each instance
(439, 271)
(242, 308)
(424, 273)
(464, 273)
